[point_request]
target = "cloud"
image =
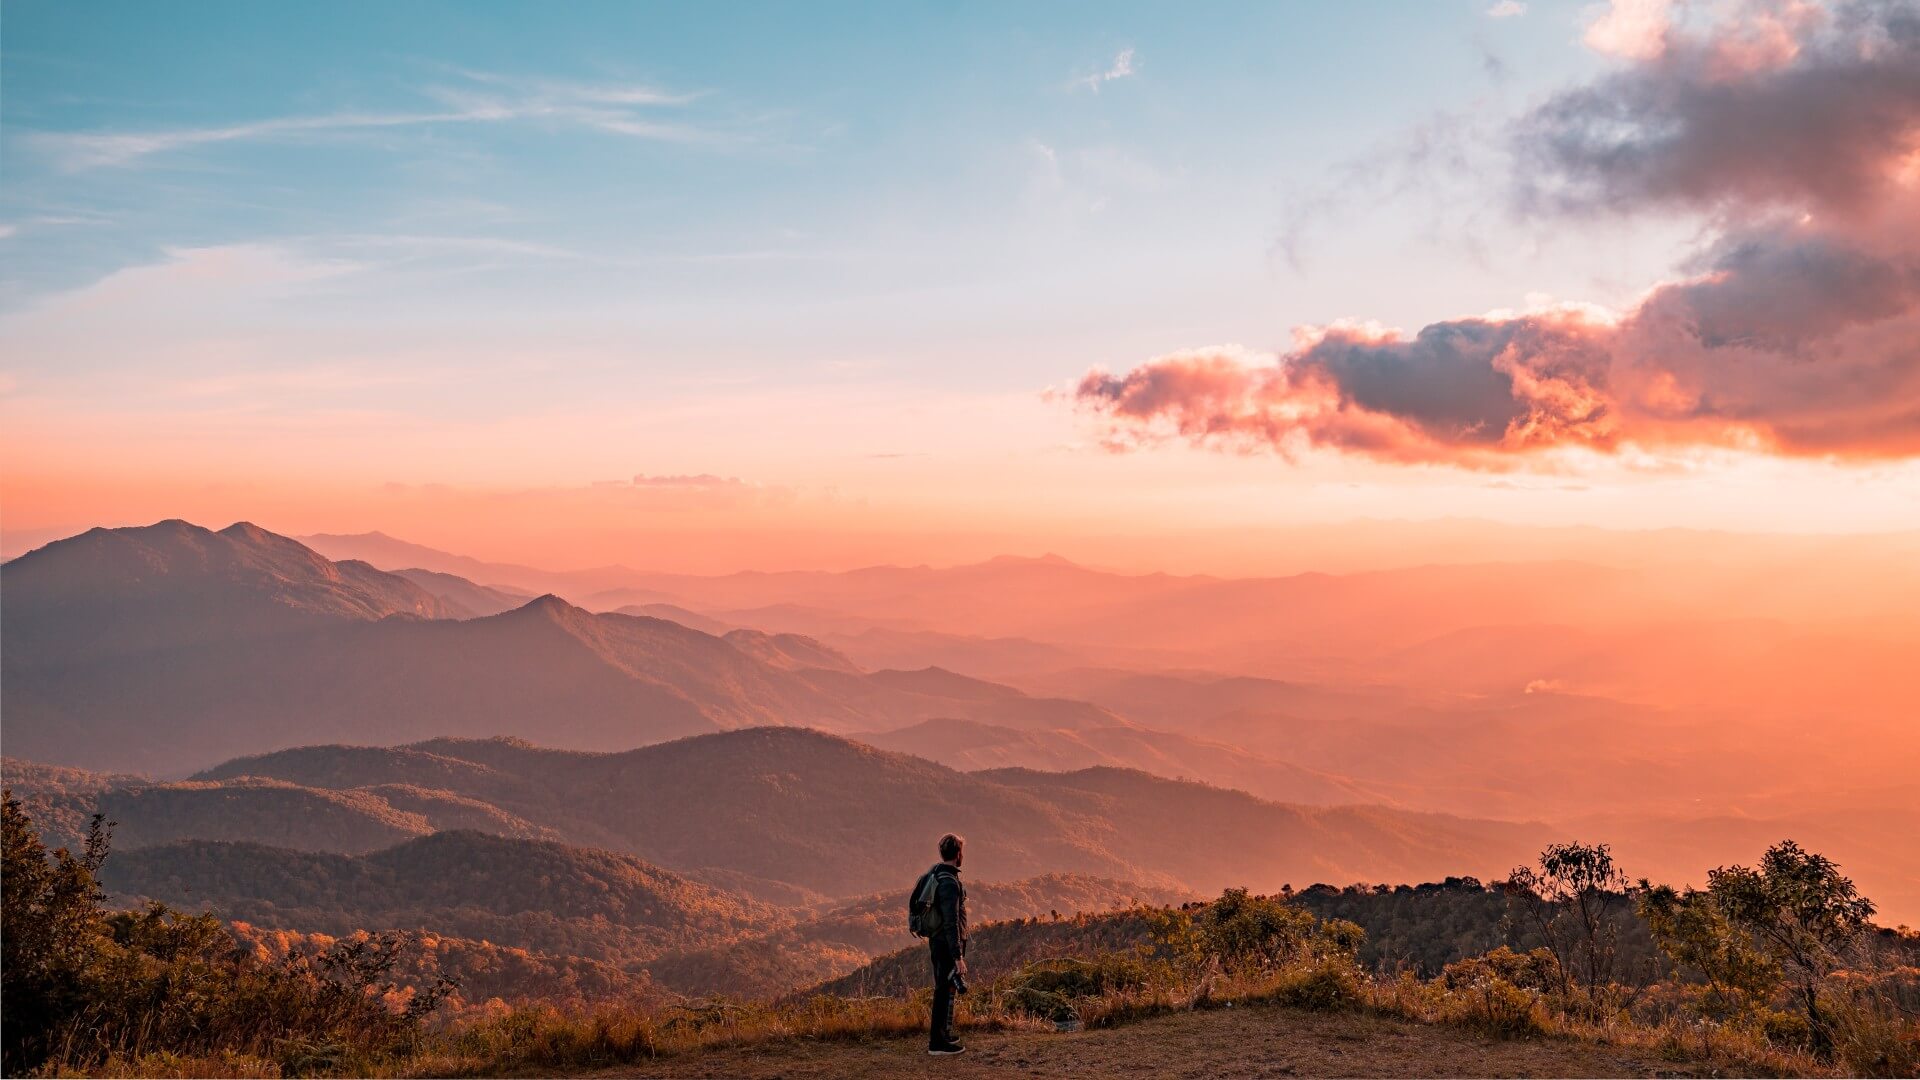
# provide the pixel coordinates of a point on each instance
(1121, 68)
(1635, 29)
(1786, 106)
(1791, 333)
(482, 99)
(700, 480)
(1506, 9)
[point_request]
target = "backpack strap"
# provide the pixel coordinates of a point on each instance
(929, 891)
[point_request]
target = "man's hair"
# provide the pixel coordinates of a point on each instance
(950, 846)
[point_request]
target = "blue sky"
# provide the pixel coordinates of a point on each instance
(863, 177)
(843, 252)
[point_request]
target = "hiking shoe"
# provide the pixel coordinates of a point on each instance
(945, 1049)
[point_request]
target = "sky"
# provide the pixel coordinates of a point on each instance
(707, 287)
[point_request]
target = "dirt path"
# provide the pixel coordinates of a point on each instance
(1257, 1042)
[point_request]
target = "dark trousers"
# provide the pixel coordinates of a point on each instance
(940, 1031)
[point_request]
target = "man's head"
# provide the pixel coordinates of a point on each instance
(951, 848)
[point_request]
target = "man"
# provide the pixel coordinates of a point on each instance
(948, 944)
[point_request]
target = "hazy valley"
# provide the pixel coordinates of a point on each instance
(681, 787)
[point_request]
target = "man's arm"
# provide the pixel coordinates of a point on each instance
(952, 910)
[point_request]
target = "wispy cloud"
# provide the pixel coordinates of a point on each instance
(1121, 68)
(685, 480)
(407, 246)
(614, 109)
(1507, 9)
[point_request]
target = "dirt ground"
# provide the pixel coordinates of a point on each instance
(1256, 1042)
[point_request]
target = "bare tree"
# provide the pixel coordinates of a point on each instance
(1572, 899)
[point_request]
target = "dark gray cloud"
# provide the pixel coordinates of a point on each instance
(1795, 127)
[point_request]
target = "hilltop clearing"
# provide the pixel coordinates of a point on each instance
(1242, 1042)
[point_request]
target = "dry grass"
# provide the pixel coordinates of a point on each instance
(1102, 994)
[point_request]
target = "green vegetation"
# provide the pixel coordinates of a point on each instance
(1423, 928)
(93, 990)
(1771, 970)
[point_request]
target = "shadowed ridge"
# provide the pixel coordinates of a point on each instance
(548, 606)
(790, 651)
(940, 681)
(341, 766)
(533, 894)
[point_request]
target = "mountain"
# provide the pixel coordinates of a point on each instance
(111, 593)
(793, 652)
(393, 553)
(462, 597)
(167, 647)
(996, 658)
(545, 897)
(692, 620)
(61, 801)
(250, 809)
(1213, 838)
(944, 694)
(786, 804)
(258, 810)
(971, 746)
(836, 817)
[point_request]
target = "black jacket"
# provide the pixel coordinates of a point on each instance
(950, 896)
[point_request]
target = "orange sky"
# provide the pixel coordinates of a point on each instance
(1089, 348)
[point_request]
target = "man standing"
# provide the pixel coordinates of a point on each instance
(948, 943)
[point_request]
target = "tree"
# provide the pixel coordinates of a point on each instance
(1694, 933)
(85, 985)
(1573, 900)
(51, 928)
(1797, 909)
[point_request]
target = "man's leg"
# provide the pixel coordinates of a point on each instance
(940, 1025)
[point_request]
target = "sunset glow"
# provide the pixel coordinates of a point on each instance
(1386, 537)
(486, 356)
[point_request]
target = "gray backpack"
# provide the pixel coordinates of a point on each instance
(923, 909)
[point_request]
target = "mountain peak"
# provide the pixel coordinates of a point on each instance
(174, 582)
(1048, 559)
(550, 608)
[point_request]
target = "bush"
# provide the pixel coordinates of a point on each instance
(85, 986)
(1499, 994)
(1242, 933)
(1052, 989)
(1327, 982)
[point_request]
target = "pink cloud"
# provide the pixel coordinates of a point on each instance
(1796, 126)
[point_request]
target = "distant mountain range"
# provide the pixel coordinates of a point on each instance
(786, 812)
(1713, 696)
(704, 860)
(168, 647)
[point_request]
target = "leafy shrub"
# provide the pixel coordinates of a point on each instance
(85, 986)
(1499, 994)
(1243, 933)
(1322, 983)
(1052, 989)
